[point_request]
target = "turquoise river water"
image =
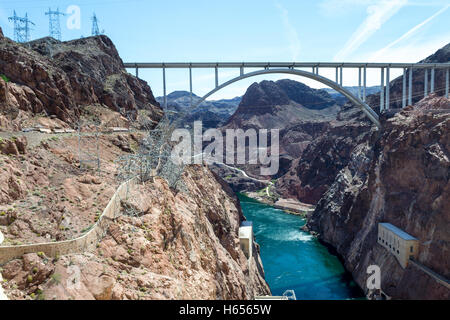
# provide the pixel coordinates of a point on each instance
(295, 260)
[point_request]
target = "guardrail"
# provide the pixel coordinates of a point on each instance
(78, 245)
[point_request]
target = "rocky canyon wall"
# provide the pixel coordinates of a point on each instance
(58, 79)
(182, 245)
(401, 176)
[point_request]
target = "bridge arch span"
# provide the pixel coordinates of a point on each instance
(368, 111)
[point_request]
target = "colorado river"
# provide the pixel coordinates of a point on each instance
(293, 259)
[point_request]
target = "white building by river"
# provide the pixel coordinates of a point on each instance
(402, 245)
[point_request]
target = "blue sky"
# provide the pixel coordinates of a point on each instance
(252, 30)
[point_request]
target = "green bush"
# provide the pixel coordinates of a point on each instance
(5, 78)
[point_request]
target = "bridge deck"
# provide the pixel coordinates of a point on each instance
(159, 65)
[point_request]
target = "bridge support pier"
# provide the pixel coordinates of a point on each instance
(164, 87)
(432, 81)
(425, 89)
(382, 91)
(410, 86)
(217, 76)
(365, 84)
(404, 89)
(387, 88)
(190, 86)
(446, 82)
(359, 83)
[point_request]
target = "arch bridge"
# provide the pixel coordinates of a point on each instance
(295, 68)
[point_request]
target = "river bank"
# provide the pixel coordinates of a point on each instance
(290, 206)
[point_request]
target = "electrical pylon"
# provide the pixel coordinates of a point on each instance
(54, 25)
(21, 27)
(95, 30)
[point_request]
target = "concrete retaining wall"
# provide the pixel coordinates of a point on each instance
(83, 243)
(437, 277)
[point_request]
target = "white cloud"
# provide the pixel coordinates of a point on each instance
(409, 34)
(377, 15)
(290, 32)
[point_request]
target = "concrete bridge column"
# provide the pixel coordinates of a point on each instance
(387, 88)
(382, 91)
(425, 93)
(190, 85)
(446, 82)
(404, 89)
(410, 86)
(432, 81)
(164, 87)
(217, 76)
(359, 83)
(365, 84)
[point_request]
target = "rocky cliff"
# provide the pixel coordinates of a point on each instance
(179, 246)
(176, 245)
(58, 79)
(400, 177)
(280, 104)
(299, 112)
(311, 175)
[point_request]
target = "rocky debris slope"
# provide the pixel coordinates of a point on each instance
(400, 177)
(179, 246)
(44, 195)
(60, 78)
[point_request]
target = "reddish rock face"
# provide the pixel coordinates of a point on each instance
(311, 176)
(60, 77)
(14, 146)
(180, 246)
(402, 178)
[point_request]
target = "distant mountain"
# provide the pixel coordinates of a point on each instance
(213, 113)
(354, 90)
(300, 113)
(280, 104)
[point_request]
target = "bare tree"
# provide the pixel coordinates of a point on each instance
(153, 159)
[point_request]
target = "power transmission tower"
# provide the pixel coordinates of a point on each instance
(95, 30)
(54, 26)
(21, 27)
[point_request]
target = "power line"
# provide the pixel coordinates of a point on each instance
(54, 25)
